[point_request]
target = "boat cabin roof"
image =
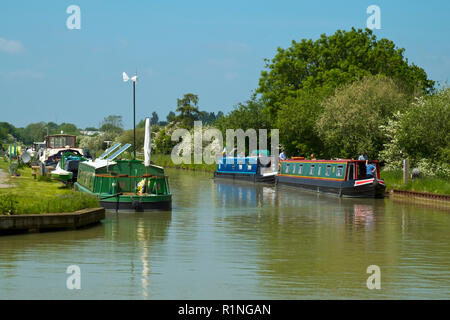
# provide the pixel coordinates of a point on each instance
(301, 159)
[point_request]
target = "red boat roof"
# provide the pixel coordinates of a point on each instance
(323, 161)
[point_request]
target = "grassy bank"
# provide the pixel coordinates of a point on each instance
(394, 180)
(29, 196)
(164, 160)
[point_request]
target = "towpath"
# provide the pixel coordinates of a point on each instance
(3, 177)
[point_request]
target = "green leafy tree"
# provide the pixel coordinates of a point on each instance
(352, 119)
(154, 120)
(245, 116)
(52, 127)
(171, 117)
(113, 124)
(297, 120)
(332, 61)
(68, 128)
(424, 129)
(128, 137)
(188, 109)
(34, 132)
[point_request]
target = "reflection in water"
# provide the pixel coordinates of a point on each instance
(142, 231)
(363, 215)
(243, 194)
(236, 240)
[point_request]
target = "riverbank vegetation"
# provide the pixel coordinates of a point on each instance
(394, 180)
(29, 196)
(165, 161)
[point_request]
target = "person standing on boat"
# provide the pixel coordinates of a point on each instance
(313, 157)
(370, 170)
(283, 155)
(363, 156)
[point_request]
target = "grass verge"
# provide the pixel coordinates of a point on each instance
(29, 196)
(164, 160)
(394, 180)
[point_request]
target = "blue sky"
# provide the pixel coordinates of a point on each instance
(215, 49)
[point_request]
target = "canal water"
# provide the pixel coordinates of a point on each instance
(225, 240)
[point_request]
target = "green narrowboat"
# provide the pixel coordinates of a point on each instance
(344, 177)
(124, 184)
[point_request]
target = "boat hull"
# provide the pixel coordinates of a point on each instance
(127, 202)
(370, 188)
(136, 205)
(245, 177)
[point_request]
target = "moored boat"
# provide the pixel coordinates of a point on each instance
(55, 147)
(67, 168)
(125, 184)
(259, 167)
(344, 177)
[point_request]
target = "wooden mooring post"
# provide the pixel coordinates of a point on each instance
(405, 170)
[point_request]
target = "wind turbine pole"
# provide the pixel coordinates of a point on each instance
(134, 119)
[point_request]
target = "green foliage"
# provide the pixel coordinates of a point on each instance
(28, 195)
(128, 137)
(171, 117)
(392, 155)
(424, 129)
(332, 61)
(154, 119)
(245, 116)
(162, 141)
(165, 161)
(297, 120)
(188, 109)
(8, 203)
(112, 124)
(68, 128)
(353, 117)
(394, 180)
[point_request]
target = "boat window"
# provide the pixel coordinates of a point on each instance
(249, 167)
(287, 167)
(328, 171)
(340, 170)
(240, 167)
(318, 171)
(311, 169)
(300, 169)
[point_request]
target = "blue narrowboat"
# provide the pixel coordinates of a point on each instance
(259, 167)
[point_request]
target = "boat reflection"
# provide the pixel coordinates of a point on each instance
(142, 233)
(243, 194)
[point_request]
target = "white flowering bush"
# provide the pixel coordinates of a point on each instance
(431, 169)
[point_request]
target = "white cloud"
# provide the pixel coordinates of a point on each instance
(22, 74)
(231, 75)
(11, 46)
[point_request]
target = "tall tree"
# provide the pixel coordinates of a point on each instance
(332, 61)
(353, 117)
(154, 119)
(112, 124)
(171, 116)
(188, 109)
